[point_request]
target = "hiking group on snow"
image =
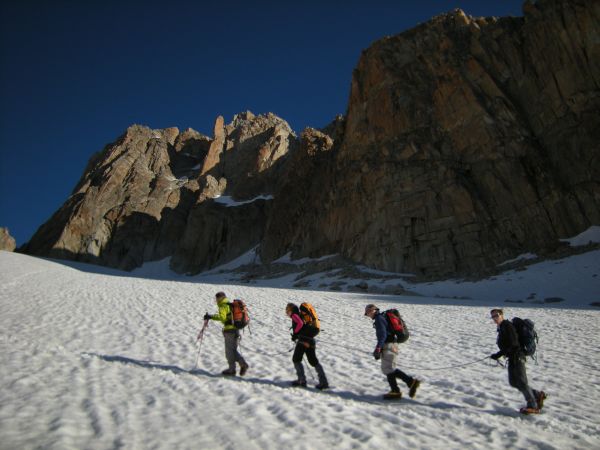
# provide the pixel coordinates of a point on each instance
(516, 340)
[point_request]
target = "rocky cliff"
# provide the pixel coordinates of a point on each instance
(466, 142)
(154, 194)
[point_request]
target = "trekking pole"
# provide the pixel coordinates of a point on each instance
(200, 338)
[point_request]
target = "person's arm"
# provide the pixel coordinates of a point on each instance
(380, 330)
(223, 314)
(297, 323)
(508, 341)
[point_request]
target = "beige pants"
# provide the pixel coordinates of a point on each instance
(389, 356)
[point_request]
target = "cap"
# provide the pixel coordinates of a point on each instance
(370, 307)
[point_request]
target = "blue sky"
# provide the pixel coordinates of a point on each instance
(75, 74)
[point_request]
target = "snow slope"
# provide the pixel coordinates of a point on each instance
(101, 360)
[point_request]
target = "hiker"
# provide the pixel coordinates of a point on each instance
(231, 335)
(508, 343)
(387, 351)
(305, 344)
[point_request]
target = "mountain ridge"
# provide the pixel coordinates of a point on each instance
(467, 141)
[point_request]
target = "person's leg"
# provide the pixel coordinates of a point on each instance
(404, 377)
(388, 363)
(230, 350)
(517, 378)
(238, 356)
(297, 360)
(311, 355)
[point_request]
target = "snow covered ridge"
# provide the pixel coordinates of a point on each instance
(589, 236)
(104, 360)
(230, 202)
(573, 281)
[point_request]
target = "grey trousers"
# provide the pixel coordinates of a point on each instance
(232, 339)
(517, 378)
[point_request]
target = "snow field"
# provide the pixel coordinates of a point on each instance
(91, 360)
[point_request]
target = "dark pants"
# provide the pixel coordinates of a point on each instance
(517, 378)
(309, 349)
(305, 348)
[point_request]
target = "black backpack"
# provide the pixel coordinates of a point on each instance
(396, 325)
(528, 337)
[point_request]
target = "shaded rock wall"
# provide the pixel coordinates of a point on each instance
(467, 142)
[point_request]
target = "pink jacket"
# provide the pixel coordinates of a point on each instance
(297, 323)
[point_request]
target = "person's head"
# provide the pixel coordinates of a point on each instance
(290, 308)
(371, 310)
(497, 315)
(219, 296)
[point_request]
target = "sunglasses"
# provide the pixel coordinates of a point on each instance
(495, 316)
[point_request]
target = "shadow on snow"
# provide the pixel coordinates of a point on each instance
(345, 395)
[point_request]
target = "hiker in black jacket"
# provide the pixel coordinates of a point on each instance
(508, 343)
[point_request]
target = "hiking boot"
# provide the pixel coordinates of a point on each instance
(540, 399)
(244, 369)
(528, 410)
(413, 387)
(228, 372)
(322, 386)
(392, 395)
(298, 383)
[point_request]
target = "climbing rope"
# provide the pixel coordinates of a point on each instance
(450, 367)
(412, 368)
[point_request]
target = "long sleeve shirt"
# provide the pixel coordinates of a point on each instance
(224, 314)
(380, 324)
(508, 341)
(297, 323)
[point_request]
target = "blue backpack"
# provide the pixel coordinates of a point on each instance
(528, 337)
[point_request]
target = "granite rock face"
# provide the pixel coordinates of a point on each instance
(141, 197)
(295, 218)
(466, 142)
(7, 242)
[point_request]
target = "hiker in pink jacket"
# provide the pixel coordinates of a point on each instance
(304, 344)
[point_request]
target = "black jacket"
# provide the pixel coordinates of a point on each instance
(508, 341)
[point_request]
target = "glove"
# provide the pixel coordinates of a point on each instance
(207, 316)
(377, 354)
(294, 337)
(495, 356)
